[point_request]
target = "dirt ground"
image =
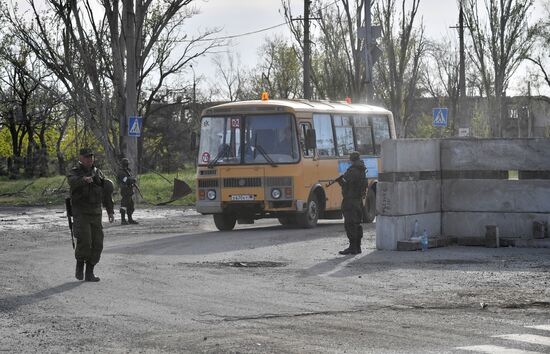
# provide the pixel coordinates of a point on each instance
(175, 284)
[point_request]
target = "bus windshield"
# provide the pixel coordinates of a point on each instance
(252, 139)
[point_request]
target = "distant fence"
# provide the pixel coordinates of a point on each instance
(456, 187)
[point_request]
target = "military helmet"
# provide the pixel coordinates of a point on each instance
(354, 156)
(86, 152)
(125, 161)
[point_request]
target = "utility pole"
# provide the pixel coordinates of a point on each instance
(307, 52)
(462, 69)
(462, 116)
(369, 43)
(129, 143)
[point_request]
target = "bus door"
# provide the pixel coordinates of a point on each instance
(327, 160)
(310, 169)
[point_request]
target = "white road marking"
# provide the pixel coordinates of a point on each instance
(527, 338)
(543, 327)
(495, 349)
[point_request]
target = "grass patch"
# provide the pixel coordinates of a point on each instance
(53, 190)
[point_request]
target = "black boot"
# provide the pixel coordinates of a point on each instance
(90, 273)
(130, 220)
(349, 234)
(356, 246)
(356, 249)
(79, 273)
(348, 250)
(123, 217)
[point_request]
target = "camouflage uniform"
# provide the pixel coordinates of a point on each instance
(126, 183)
(86, 201)
(353, 184)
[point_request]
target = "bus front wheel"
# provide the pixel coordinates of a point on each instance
(225, 222)
(369, 208)
(309, 219)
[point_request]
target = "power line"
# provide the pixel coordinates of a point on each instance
(247, 33)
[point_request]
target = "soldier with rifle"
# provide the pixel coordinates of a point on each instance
(353, 183)
(89, 190)
(126, 183)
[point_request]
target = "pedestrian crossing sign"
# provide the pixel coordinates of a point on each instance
(134, 126)
(440, 117)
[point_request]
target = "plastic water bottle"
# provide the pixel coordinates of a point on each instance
(424, 241)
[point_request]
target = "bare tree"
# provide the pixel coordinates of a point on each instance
(398, 71)
(338, 60)
(498, 47)
(541, 58)
(233, 79)
(440, 76)
(278, 71)
(101, 57)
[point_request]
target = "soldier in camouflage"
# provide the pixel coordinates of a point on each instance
(353, 183)
(126, 183)
(89, 190)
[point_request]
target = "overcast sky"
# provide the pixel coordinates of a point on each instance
(243, 16)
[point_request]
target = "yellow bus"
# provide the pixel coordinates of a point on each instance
(274, 159)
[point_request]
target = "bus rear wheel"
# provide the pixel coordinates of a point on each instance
(369, 208)
(309, 219)
(225, 222)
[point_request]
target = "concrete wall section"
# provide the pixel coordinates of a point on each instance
(408, 198)
(410, 155)
(495, 154)
(390, 229)
(409, 189)
(457, 187)
(477, 195)
(472, 224)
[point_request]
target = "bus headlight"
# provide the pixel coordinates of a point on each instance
(211, 194)
(276, 193)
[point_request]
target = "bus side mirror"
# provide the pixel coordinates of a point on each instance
(193, 143)
(311, 139)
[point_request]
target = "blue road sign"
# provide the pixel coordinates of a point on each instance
(134, 126)
(440, 117)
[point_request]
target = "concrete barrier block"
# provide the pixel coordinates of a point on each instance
(491, 236)
(391, 229)
(472, 224)
(538, 229)
(404, 198)
(407, 155)
(471, 241)
(496, 195)
(495, 154)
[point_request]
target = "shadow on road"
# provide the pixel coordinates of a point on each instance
(12, 303)
(453, 258)
(226, 241)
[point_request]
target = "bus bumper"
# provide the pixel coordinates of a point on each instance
(207, 207)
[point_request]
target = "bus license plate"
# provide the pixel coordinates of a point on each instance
(243, 197)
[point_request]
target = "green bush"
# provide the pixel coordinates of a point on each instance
(53, 190)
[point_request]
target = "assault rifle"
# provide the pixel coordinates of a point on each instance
(338, 179)
(69, 210)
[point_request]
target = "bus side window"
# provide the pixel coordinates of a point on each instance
(323, 131)
(344, 134)
(304, 127)
(381, 131)
(363, 135)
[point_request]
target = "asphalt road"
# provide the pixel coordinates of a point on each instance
(175, 284)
